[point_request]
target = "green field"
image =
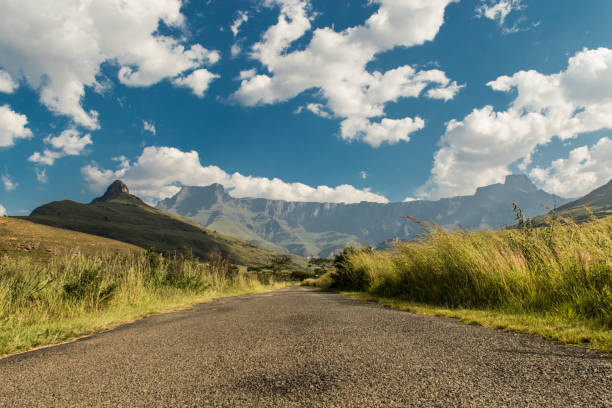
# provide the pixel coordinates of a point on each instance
(553, 281)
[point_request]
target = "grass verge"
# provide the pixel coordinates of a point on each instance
(76, 295)
(554, 281)
(585, 333)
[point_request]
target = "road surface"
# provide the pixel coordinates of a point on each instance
(299, 347)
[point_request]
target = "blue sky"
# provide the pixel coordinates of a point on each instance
(306, 100)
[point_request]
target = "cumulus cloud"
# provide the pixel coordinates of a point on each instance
(12, 126)
(7, 84)
(159, 171)
(198, 81)
(241, 18)
(9, 184)
(480, 149)
(149, 126)
(41, 175)
(335, 63)
(583, 170)
(68, 143)
(499, 10)
(46, 158)
(58, 47)
(235, 50)
(2, 211)
(363, 175)
(316, 108)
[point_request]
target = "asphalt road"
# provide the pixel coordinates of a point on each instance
(299, 347)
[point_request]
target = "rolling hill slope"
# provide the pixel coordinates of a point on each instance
(124, 217)
(598, 202)
(19, 237)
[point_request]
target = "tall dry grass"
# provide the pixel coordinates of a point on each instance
(75, 294)
(565, 270)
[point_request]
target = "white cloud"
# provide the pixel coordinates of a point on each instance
(498, 10)
(12, 126)
(409, 199)
(480, 149)
(149, 126)
(2, 211)
(240, 19)
(247, 74)
(446, 93)
(68, 143)
(47, 157)
(387, 131)
(235, 50)
(363, 175)
(9, 184)
(198, 81)
(318, 109)
(335, 63)
(581, 172)
(59, 46)
(158, 172)
(41, 175)
(7, 84)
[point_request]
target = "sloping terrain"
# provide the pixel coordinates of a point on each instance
(124, 217)
(597, 203)
(19, 237)
(319, 229)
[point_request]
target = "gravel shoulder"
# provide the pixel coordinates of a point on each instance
(299, 347)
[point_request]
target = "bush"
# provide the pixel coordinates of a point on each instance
(348, 275)
(300, 275)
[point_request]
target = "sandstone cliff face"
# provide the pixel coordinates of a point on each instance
(318, 229)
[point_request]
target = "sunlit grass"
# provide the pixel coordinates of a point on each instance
(75, 295)
(554, 281)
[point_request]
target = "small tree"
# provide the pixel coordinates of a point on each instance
(277, 263)
(320, 265)
(522, 221)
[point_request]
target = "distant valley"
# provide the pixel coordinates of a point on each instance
(320, 229)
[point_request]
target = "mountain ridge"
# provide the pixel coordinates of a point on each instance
(122, 216)
(319, 229)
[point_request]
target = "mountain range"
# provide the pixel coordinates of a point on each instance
(121, 216)
(320, 229)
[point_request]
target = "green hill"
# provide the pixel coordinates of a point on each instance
(19, 237)
(598, 202)
(124, 217)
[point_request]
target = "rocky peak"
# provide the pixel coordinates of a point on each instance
(520, 182)
(115, 190)
(190, 199)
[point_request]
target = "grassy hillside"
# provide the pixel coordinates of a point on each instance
(22, 238)
(596, 204)
(126, 218)
(554, 281)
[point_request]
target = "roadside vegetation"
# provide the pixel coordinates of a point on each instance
(553, 281)
(74, 294)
